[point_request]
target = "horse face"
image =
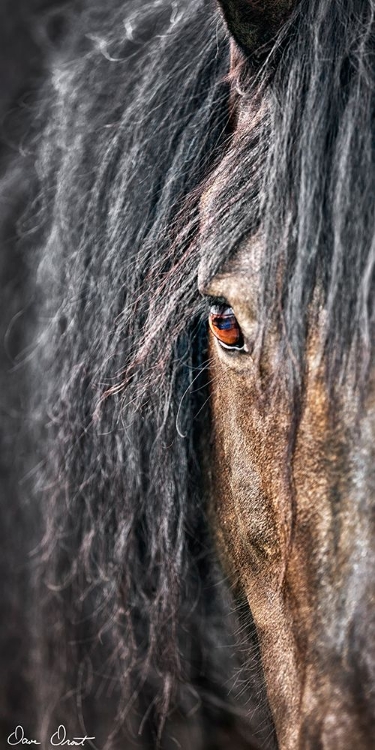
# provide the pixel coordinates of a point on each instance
(292, 499)
(299, 544)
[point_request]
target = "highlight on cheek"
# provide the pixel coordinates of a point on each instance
(224, 326)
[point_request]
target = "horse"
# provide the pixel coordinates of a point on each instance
(188, 222)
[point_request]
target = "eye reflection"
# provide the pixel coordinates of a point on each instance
(225, 327)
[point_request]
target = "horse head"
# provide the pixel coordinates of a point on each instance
(291, 374)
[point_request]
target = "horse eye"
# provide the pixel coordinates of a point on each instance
(224, 325)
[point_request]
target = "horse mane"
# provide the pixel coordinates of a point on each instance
(134, 619)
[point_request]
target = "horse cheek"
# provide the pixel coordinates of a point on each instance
(249, 499)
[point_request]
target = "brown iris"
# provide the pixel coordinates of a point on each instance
(224, 325)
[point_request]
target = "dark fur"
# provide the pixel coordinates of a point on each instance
(132, 622)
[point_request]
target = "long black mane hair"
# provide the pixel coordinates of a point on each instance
(132, 629)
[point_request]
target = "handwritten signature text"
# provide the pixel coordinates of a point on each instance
(58, 738)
